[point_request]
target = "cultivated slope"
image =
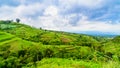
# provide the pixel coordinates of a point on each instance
(23, 46)
(45, 36)
(13, 42)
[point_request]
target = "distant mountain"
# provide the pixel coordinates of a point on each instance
(98, 33)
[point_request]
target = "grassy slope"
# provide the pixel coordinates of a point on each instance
(69, 63)
(13, 42)
(66, 63)
(45, 36)
(83, 48)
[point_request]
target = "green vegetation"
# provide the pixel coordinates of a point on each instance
(47, 37)
(22, 46)
(66, 63)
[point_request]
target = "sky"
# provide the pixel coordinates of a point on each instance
(65, 15)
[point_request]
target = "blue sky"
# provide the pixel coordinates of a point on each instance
(65, 15)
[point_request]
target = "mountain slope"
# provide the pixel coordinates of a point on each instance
(12, 41)
(45, 36)
(21, 47)
(116, 39)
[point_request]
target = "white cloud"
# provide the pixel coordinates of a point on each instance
(86, 25)
(96, 26)
(21, 11)
(86, 3)
(51, 10)
(49, 17)
(63, 24)
(90, 3)
(53, 22)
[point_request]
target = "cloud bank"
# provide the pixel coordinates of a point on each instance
(65, 15)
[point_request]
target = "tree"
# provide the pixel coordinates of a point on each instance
(40, 28)
(17, 20)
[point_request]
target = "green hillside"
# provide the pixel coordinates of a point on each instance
(45, 36)
(11, 48)
(116, 39)
(8, 39)
(23, 46)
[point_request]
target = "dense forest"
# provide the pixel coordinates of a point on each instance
(23, 46)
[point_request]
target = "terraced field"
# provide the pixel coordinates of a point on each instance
(6, 38)
(14, 42)
(23, 46)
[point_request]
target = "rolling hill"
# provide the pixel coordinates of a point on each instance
(23, 46)
(45, 36)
